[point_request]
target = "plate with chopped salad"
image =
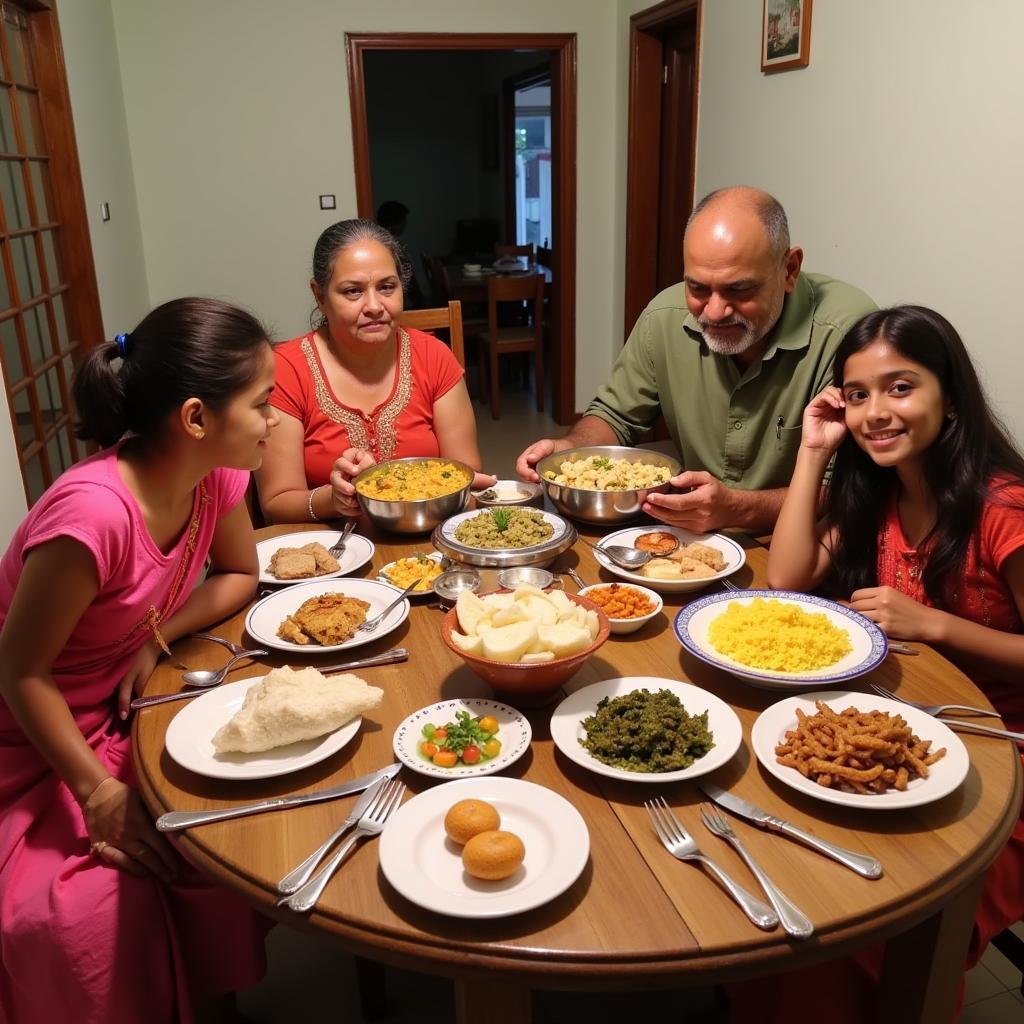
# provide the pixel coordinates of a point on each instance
(646, 729)
(468, 736)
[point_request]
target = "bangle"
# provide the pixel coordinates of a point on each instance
(312, 515)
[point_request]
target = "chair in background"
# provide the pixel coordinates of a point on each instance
(504, 249)
(499, 341)
(445, 317)
(1012, 947)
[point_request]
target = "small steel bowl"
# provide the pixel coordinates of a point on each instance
(527, 575)
(602, 507)
(415, 516)
(450, 584)
(521, 494)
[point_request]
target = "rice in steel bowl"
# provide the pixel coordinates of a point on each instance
(412, 480)
(505, 528)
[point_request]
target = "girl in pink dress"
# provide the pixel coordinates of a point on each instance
(923, 530)
(102, 920)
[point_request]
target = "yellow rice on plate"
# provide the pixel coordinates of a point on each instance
(778, 636)
(413, 481)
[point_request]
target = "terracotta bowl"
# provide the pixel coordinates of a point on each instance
(527, 685)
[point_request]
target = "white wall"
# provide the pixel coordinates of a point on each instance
(101, 131)
(238, 115)
(898, 154)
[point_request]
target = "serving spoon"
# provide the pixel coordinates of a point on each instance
(625, 558)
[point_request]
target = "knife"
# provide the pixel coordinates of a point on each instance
(869, 867)
(385, 658)
(174, 821)
(298, 877)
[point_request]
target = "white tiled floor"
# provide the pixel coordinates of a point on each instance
(312, 980)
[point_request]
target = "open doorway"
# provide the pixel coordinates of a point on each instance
(460, 156)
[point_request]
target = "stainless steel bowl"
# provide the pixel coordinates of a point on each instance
(604, 507)
(413, 516)
(542, 554)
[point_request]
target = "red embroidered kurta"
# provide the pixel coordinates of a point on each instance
(401, 426)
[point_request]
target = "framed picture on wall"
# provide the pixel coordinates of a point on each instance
(785, 34)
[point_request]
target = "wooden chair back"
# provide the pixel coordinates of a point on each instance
(437, 278)
(444, 317)
(506, 249)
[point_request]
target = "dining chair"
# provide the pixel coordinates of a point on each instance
(1012, 947)
(444, 317)
(505, 249)
(528, 337)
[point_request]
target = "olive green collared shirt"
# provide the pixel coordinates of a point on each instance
(723, 420)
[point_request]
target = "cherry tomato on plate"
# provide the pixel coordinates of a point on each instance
(428, 749)
(470, 754)
(492, 748)
(489, 723)
(440, 735)
(445, 758)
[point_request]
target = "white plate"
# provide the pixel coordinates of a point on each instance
(449, 526)
(189, 739)
(513, 730)
(567, 726)
(434, 556)
(869, 643)
(735, 557)
(425, 866)
(506, 491)
(266, 616)
(358, 551)
(943, 777)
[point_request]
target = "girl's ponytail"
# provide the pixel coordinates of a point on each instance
(98, 390)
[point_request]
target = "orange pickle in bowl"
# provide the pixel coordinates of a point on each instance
(619, 601)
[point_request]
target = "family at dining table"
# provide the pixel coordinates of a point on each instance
(861, 437)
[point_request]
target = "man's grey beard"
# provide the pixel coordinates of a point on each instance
(729, 346)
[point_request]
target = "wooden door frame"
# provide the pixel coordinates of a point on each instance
(644, 135)
(563, 200)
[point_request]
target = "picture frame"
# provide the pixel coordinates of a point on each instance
(785, 35)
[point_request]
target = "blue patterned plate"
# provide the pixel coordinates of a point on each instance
(867, 640)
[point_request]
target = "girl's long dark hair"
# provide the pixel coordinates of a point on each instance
(972, 448)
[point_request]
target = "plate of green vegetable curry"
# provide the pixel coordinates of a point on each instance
(646, 729)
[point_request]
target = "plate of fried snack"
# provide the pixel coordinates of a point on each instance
(859, 750)
(419, 567)
(269, 725)
(294, 557)
(314, 617)
(779, 639)
(681, 561)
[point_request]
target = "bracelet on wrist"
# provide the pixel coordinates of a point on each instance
(312, 515)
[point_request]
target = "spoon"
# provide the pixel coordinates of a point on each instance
(625, 558)
(204, 678)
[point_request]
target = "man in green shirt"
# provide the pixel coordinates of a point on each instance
(731, 356)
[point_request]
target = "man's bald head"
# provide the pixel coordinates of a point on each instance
(740, 199)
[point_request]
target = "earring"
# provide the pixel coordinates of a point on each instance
(951, 417)
(200, 434)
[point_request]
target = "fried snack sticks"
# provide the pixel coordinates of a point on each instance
(857, 751)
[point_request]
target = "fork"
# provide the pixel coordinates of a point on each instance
(729, 585)
(233, 648)
(683, 846)
(338, 549)
(794, 920)
(371, 624)
(932, 709)
(370, 824)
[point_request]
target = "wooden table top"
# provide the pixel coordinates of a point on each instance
(635, 915)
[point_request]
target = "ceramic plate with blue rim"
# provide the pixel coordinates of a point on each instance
(868, 642)
(514, 732)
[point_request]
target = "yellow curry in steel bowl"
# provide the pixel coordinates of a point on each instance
(413, 495)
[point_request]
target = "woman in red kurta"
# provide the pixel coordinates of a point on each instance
(924, 529)
(359, 388)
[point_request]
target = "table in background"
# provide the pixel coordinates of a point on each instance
(472, 288)
(636, 917)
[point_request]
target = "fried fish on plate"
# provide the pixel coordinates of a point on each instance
(300, 563)
(328, 620)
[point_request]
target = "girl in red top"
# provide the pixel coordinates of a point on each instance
(359, 388)
(923, 527)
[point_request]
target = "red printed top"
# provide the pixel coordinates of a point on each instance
(401, 426)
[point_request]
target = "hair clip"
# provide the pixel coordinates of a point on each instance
(123, 342)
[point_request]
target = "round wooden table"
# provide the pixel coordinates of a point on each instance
(636, 917)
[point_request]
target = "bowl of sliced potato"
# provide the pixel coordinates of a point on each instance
(525, 642)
